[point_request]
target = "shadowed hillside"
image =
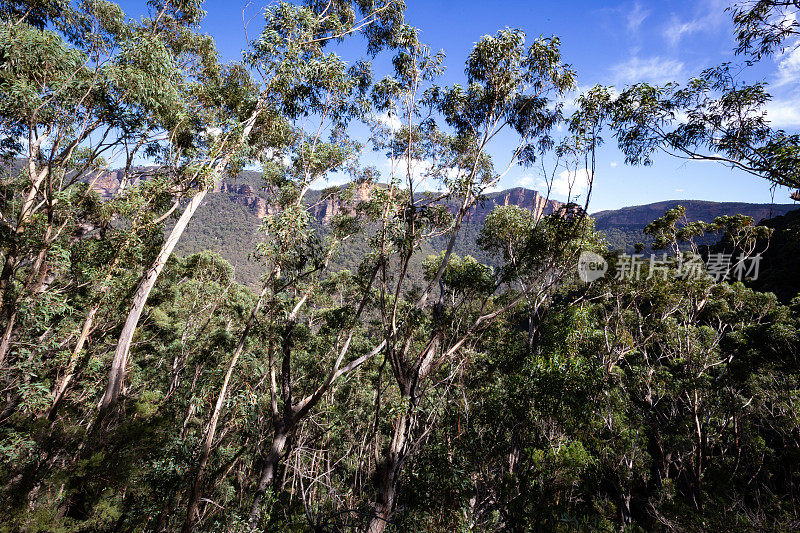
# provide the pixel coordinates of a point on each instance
(623, 227)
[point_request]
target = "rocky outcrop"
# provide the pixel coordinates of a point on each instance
(246, 195)
(325, 206)
(328, 205)
(525, 198)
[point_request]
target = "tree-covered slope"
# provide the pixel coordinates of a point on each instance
(623, 227)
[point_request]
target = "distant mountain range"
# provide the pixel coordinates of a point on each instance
(641, 215)
(623, 227)
(228, 220)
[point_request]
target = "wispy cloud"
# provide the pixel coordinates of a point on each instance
(652, 69)
(710, 15)
(636, 17)
(788, 66)
(784, 113)
(567, 185)
(676, 30)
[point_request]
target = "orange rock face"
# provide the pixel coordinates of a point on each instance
(107, 184)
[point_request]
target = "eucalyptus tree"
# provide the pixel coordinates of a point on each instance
(627, 410)
(763, 27)
(321, 93)
(536, 253)
(716, 115)
(127, 229)
(713, 117)
(84, 88)
(510, 87)
(679, 354)
(250, 109)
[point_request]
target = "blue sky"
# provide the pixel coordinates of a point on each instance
(614, 43)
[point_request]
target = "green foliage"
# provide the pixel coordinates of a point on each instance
(395, 364)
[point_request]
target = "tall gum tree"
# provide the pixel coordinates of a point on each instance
(82, 86)
(509, 88)
(296, 260)
(292, 40)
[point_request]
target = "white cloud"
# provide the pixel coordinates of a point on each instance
(336, 179)
(789, 66)
(709, 15)
(528, 182)
(572, 183)
(636, 16)
(677, 30)
(420, 173)
(567, 185)
(652, 69)
(614, 164)
(390, 121)
(784, 113)
(788, 59)
(788, 20)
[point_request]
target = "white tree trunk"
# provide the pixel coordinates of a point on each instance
(119, 364)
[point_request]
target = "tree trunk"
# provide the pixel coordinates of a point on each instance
(388, 477)
(120, 361)
(7, 273)
(117, 372)
(11, 308)
(268, 470)
(5, 342)
(208, 441)
(26, 211)
(66, 381)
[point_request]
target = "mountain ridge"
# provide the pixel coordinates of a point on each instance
(624, 227)
(695, 210)
(228, 220)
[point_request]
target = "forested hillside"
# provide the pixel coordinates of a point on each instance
(624, 227)
(187, 344)
(228, 221)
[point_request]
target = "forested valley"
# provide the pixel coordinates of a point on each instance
(397, 366)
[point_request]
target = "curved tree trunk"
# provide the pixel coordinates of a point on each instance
(389, 476)
(66, 381)
(26, 211)
(5, 341)
(120, 361)
(119, 364)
